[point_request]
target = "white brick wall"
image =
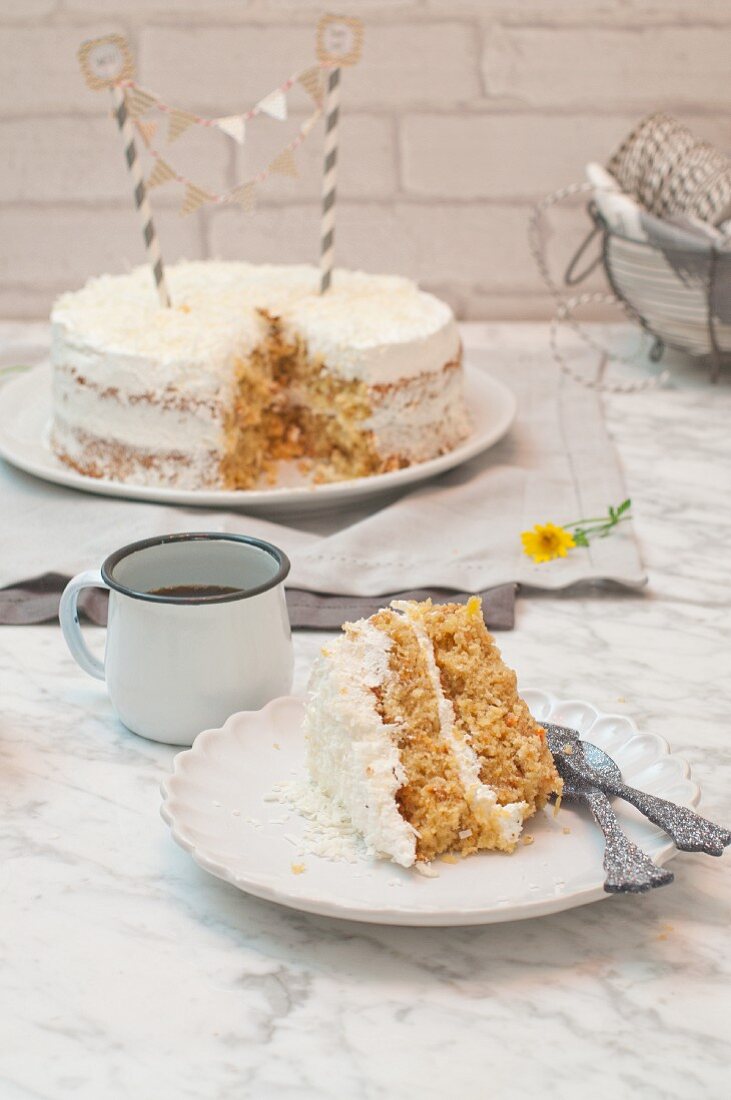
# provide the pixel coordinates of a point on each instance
(461, 114)
(613, 67)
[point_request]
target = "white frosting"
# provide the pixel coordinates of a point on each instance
(135, 423)
(481, 797)
(419, 421)
(352, 753)
(380, 328)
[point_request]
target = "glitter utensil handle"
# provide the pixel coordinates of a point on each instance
(329, 180)
(689, 831)
(629, 869)
(140, 194)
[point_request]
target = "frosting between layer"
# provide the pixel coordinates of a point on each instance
(481, 797)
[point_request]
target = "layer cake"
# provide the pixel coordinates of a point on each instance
(251, 365)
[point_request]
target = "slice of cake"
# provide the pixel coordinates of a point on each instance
(415, 727)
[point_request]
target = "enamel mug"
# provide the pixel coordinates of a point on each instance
(178, 661)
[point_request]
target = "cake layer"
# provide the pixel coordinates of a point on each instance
(126, 436)
(489, 712)
(103, 458)
(420, 417)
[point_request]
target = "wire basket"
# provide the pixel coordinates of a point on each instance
(676, 286)
(680, 295)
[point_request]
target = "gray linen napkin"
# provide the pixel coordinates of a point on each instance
(36, 601)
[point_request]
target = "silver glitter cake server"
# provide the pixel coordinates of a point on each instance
(629, 870)
(689, 831)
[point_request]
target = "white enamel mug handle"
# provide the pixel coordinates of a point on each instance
(68, 613)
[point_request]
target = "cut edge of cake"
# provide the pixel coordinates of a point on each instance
(415, 727)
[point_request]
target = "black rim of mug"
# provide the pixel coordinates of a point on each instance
(283, 567)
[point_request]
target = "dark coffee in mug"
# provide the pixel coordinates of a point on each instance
(193, 591)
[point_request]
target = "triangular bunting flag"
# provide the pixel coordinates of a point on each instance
(284, 164)
(138, 101)
(233, 125)
(311, 81)
(308, 124)
(194, 197)
(161, 173)
(245, 196)
(147, 129)
(179, 123)
(274, 105)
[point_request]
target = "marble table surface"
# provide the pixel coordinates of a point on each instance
(129, 972)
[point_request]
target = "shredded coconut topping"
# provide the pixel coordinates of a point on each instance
(378, 327)
(329, 833)
(359, 768)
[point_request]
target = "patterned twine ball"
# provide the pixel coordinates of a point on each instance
(670, 172)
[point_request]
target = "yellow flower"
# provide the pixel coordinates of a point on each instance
(547, 541)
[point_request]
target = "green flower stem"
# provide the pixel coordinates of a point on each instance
(598, 526)
(581, 522)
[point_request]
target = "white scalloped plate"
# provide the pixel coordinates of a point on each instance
(25, 412)
(215, 803)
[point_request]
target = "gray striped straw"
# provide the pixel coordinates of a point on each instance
(140, 193)
(329, 180)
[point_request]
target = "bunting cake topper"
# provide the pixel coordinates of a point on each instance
(107, 63)
(339, 42)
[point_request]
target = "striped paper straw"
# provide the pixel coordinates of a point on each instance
(329, 180)
(142, 203)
